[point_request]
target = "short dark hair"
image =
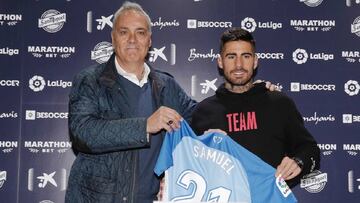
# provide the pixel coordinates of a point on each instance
(235, 34)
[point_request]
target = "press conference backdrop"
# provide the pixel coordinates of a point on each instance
(309, 48)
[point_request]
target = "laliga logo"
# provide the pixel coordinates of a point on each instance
(300, 56)
(248, 24)
(52, 21)
(355, 27)
(37, 83)
(352, 87)
(282, 186)
(312, 3)
(348, 2)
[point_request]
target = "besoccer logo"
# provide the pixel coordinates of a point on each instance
(37, 83)
(312, 3)
(248, 24)
(300, 56)
(352, 87)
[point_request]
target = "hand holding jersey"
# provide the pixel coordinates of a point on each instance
(163, 118)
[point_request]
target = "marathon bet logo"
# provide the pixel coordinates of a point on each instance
(327, 149)
(350, 118)
(352, 149)
(51, 51)
(47, 146)
(301, 56)
(10, 19)
(194, 24)
(8, 146)
(102, 52)
(297, 87)
(312, 3)
(161, 24)
(9, 51)
(351, 56)
(33, 114)
(52, 21)
(352, 87)
(353, 183)
(355, 26)
(156, 53)
(319, 118)
(250, 24)
(2, 178)
(314, 182)
(37, 83)
(312, 25)
(210, 55)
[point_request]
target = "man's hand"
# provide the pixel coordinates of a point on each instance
(268, 85)
(163, 118)
(288, 169)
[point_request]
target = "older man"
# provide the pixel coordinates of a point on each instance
(118, 112)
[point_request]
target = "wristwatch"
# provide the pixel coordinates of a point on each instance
(299, 162)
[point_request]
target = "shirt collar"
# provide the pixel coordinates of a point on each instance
(132, 77)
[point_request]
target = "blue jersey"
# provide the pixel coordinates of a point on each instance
(213, 167)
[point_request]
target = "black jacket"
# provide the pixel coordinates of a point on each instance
(266, 123)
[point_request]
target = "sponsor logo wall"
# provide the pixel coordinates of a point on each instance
(310, 49)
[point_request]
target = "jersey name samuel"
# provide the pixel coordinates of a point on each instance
(241, 121)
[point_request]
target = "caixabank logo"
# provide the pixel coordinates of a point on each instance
(327, 149)
(7, 146)
(206, 86)
(52, 21)
(311, 3)
(312, 25)
(102, 21)
(353, 181)
(46, 180)
(314, 182)
(47, 146)
(102, 52)
(251, 25)
(7, 19)
(38, 83)
(351, 56)
(51, 51)
(352, 149)
(301, 56)
(165, 53)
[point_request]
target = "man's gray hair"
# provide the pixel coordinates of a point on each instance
(127, 6)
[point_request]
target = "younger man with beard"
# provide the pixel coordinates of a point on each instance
(264, 122)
